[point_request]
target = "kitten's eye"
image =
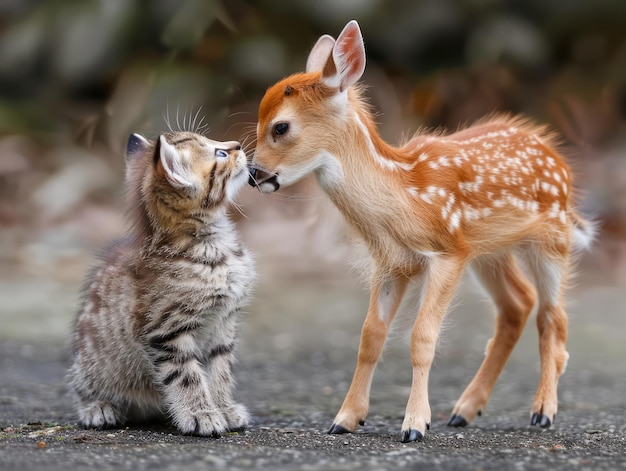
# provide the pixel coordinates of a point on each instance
(281, 128)
(221, 153)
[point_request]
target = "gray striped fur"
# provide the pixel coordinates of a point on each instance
(156, 332)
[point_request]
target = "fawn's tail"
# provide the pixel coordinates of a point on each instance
(584, 232)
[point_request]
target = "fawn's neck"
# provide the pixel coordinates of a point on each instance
(371, 193)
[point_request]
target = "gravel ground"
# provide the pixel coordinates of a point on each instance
(297, 355)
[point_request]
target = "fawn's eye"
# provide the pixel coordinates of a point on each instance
(221, 153)
(281, 128)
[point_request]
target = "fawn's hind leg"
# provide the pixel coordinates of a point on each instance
(550, 270)
(514, 298)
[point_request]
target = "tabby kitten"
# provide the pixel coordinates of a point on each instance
(157, 327)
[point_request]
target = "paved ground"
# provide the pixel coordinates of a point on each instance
(297, 354)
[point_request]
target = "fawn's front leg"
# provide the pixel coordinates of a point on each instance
(443, 276)
(385, 297)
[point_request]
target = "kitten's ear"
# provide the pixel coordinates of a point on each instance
(346, 64)
(320, 53)
(174, 167)
(135, 145)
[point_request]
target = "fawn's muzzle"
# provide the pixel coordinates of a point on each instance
(264, 180)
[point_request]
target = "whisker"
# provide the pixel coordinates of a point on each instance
(231, 127)
(166, 116)
(237, 206)
(193, 124)
(246, 126)
(250, 134)
(237, 113)
(249, 126)
(200, 126)
(247, 147)
(203, 129)
(256, 185)
(247, 140)
(177, 122)
(285, 197)
(264, 170)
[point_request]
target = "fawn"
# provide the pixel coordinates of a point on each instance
(484, 198)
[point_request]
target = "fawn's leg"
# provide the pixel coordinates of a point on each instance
(514, 298)
(385, 297)
(443, 275)
(550, 272)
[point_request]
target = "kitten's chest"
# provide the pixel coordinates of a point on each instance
(211, 277)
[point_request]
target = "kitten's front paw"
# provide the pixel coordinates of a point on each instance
(204, 423)
(238, 417)
(100, 415)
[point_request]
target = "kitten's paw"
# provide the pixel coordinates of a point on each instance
(238, 417)
(100, 415)
(204, 423)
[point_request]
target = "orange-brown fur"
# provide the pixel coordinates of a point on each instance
(427, 210)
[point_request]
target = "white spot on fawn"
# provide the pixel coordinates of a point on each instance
(446, 209)
(455, 220)
(554, 210)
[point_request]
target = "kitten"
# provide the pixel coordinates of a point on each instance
(157, 327)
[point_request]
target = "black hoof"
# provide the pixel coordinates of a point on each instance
(457, 421)
(411, 435)
(361, 423)
(336, 429)
(542, 420)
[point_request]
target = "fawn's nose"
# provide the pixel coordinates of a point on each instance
(263, 179)
(252, 177)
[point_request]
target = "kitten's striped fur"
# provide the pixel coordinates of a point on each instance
(158, 323)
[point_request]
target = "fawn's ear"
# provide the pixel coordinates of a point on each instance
(347, 61)
(320, 53)
(174, 166)
(135, 145)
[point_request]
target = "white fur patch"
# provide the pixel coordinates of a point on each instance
(379, 159)
(327, 168)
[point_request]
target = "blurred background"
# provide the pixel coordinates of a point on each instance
(76, 77)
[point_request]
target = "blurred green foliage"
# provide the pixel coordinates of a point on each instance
(77, 76)
(91, 71)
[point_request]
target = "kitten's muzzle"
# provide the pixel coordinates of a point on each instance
(262, 179)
